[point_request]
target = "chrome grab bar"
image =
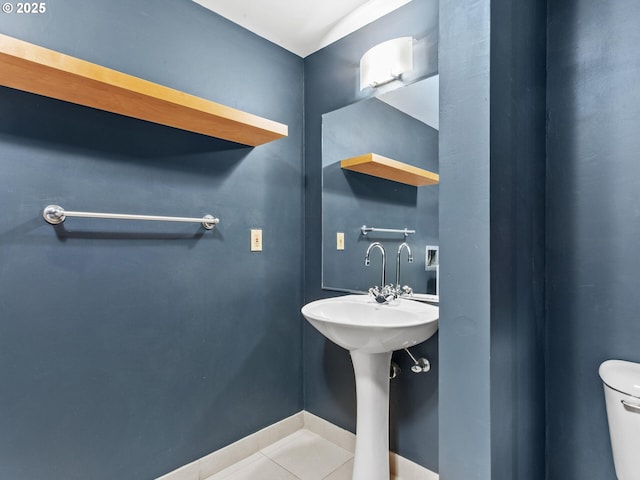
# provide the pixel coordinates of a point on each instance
(55, 214)
(631, 406)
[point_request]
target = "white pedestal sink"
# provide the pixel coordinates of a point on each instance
(371, 332)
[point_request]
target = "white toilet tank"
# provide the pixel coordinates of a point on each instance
(622, 395)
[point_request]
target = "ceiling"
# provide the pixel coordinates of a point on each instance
(302, 26)
(305, 26)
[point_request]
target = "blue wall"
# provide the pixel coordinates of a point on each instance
(593, 230)
(331, 82)
(128, 349)
(464, 328)
(518, 76)
(124, 349)
(492, 153)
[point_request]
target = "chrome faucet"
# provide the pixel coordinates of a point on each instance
(406, 289)
(367, 260)
(381, 293)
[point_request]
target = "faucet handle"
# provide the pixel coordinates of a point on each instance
(384, 294)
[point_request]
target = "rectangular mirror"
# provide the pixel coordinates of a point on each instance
(400, 125)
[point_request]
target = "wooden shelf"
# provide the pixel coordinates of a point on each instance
(383, 167)
(35, 69)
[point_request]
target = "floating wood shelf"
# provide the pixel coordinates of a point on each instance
(383, 167)
(35, 69)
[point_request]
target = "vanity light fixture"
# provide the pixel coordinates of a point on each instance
(386, 62)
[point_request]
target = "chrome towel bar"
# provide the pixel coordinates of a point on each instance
(54, 214)
(365, 230)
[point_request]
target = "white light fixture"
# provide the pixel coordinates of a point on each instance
(386, 62)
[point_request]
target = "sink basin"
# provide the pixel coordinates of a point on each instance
(358, 322)
(371, 332)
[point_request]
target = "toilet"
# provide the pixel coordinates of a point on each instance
(622, 396)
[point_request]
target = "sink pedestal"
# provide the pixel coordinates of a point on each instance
(371, 332)
(371, 461)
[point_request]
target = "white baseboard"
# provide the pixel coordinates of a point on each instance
(225, 457)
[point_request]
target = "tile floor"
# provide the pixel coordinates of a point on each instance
(302, 455)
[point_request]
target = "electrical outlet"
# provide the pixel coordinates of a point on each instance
(256, 240)
(340, 241)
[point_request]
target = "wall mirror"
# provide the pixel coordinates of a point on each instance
(401, 124)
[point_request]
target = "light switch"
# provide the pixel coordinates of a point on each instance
(256, 240)
(340, 241)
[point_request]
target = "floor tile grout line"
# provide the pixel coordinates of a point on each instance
(260, 457)
(237, 469)
(282, 467)
(292, 440)
(274, 461)
(281, 443)
(338, 468)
